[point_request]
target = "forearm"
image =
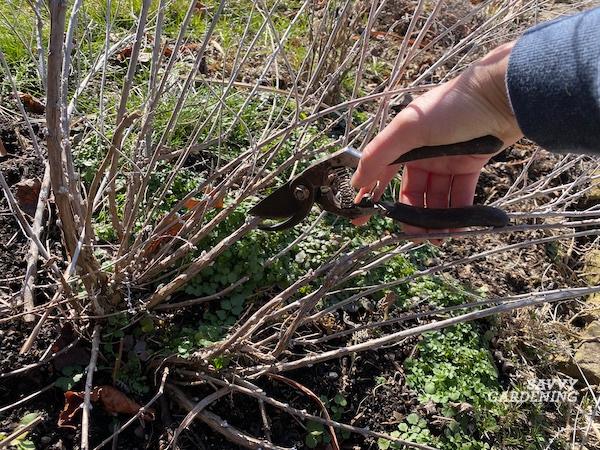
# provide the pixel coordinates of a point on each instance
(553, 82)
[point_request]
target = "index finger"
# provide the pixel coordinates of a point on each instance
(399, 137)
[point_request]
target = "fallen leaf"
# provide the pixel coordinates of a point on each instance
(73, 401)
(32, 104)
(383, 35)
(187, 49)
(190, 48)
(77, 355)
(219, 202)
(200, 8)
(27, 193)
(125, 53)
(165, 235)
(3, 151)
(115, 402)
(111, 399)
(176, 224)
(191, 203)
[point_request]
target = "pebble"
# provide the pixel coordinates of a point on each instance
(333, 375)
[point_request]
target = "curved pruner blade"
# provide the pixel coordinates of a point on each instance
(282, 204)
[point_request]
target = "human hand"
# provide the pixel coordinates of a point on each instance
(472, 105)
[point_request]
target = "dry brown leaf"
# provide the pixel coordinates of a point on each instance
(3, 151)
(176, 224)
(125, 53)
(73, 401)
(200, 8)
(32, 104)
(77, 355)
(115, 402)
(27, 193)
(166, 234)
(112, 400)
(186, 49)
(219, 202)
(191, 203)
(190, 48)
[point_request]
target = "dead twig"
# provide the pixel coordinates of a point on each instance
(141, 411)
(196, 410)
(531, 300)
(248, 388)
(87, 404)
(6, 442)
(218, 425)
(28, 293)
(25, 399)
(45, 360)
(314, 397)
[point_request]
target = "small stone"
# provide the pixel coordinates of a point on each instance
(333, 375)
(587, 354)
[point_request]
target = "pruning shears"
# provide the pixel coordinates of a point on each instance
(327, 183)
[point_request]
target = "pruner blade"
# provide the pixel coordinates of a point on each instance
(290, 201)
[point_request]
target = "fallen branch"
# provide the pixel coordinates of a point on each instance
(45, 360)
(87, 404)
(34, 251)
(248, 388)
(532, 300)
(218, 425)
(196, 410)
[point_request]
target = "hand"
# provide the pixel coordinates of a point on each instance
(472, 105)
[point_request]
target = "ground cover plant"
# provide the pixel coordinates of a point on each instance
(142, 307)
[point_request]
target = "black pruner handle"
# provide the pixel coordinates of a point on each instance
(485, 145)
(445, 218)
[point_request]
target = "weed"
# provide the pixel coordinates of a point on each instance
(413, 429)
(71, 375)
(21, 442)
(317, 434)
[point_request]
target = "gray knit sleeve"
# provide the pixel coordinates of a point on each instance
(553, 83)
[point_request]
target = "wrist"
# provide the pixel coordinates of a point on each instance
(493, 88)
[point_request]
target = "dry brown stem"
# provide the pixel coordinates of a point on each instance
(220, 426)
